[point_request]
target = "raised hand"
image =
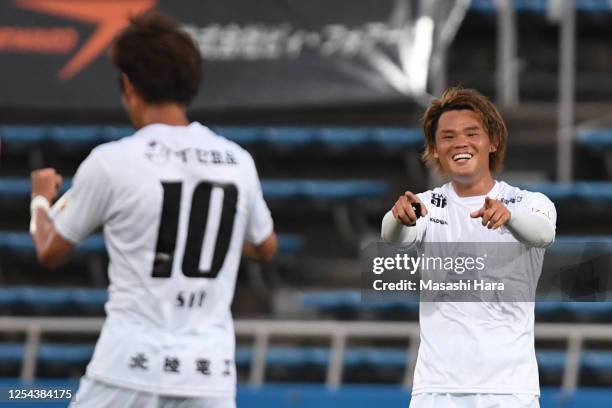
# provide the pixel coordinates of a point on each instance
(494, 214)
(402, 209)
(46, 183)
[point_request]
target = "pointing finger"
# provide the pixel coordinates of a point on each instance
(477, 213)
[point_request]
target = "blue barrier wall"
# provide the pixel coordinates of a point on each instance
(349, 396)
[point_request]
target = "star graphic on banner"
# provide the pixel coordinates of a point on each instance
(110, 16)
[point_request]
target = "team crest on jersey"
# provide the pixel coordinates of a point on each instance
(157, 152)
(439, 200)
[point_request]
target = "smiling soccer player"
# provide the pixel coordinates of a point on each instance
(473, 354)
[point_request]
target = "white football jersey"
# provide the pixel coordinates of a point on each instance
(176, 203)
(477, 347)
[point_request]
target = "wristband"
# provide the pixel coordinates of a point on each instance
(36, 203)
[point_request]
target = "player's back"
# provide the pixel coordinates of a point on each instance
(181, 201)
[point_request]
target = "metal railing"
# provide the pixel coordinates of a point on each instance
(337, 332)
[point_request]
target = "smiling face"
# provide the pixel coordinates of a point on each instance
(462, 146)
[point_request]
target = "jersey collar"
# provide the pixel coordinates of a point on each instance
(452, 194)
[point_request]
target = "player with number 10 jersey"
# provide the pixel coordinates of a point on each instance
(176, 204)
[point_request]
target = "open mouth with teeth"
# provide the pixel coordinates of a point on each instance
(462, 157)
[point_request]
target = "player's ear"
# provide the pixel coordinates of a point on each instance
(128, 86)
(492, 144)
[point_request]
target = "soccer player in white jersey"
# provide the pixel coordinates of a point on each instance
(473, 354)
(178, 205)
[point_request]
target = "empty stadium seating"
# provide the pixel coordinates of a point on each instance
(272, 137)
(22, 242)
(595, 138)
(274, 189)
(351, 302)
(589, 191)
(550, 361)
(540, 6)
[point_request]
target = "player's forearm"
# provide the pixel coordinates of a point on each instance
(263, 252)
(531, 229)
(394, 232)
(42, 233)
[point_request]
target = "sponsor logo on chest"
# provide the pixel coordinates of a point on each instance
(439, 201)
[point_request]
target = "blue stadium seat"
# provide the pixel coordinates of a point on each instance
(399, 137)
(20, 186)
(599, 361)
(595, 138)
(336, 137)
(111, 133)
(50, 298)
(65, 353)
(351, 301)
(277, 137)
(588, 310)
(241, 135)
(277, 189)
(540, 6)
(323, 189)
(344, 137)
(294, 356)
(382, 358)
(290, 136)
(290, 243)
(550, 309)
(581, 190)
(573, 311)
(49, 353)
(488, 6)
(21, 135)
(277, 356)
(11, 352)
(551, 361)
(22, 242)
(326, 302)
(287, 356)
(69, 135)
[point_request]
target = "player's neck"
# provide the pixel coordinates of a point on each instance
(165, 114)
(479, 187)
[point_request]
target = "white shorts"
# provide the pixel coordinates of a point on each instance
(95, 394)
(439, 400)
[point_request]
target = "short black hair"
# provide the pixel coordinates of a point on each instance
(162, 61)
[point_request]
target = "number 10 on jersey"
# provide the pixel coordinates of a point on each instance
(196, 229)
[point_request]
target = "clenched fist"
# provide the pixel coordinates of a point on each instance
(46, 183)
(403, 211)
